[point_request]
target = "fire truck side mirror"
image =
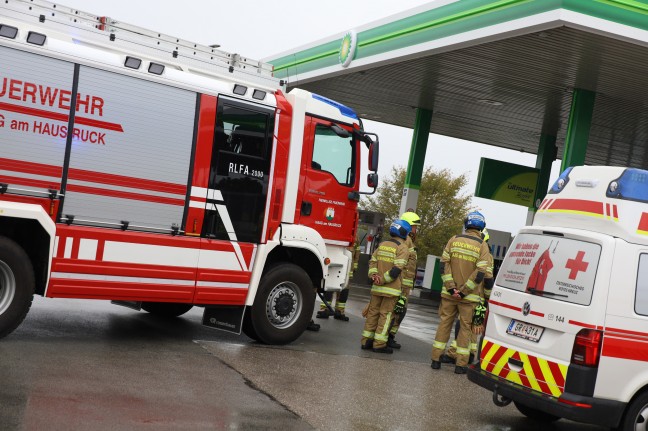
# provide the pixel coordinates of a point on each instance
(373, 156)
(372, 180)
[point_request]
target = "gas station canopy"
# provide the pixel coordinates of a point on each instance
(503, 73)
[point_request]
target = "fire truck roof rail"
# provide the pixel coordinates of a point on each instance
(131, 39)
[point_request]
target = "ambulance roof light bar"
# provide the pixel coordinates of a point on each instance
(631, 185)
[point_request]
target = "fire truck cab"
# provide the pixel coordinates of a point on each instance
(161, 174)
(567, 330)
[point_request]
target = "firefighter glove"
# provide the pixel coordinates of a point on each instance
(400, 305)
(479, 314)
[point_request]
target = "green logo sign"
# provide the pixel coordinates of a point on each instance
(507, 182)
(348, 48)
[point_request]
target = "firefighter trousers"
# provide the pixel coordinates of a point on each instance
(379, 316)
(448, 310)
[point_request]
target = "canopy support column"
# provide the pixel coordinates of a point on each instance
(578, 128)
(414, 172)
(547, 151)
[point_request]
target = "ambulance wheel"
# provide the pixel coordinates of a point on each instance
(636, 416)
(535, 414)
(283, 305)
(16, 285)
(166, 309)
(248, 327)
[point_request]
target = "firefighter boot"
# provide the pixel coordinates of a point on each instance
(312, 326)
(368, 345)
(445, 359)
(460, 370)
(324, 313)
(340, 316)
(385, 349)
(391, 342)
(436, 365)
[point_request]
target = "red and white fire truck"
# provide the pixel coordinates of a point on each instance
(161, 174)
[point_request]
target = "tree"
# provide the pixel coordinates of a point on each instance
(441, 206)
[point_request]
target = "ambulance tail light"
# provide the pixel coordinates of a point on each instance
(587, 348)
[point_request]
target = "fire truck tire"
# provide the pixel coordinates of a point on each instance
(16, 285)
(284, 304)
(166, 309)
(248, 326)
(535, 414)
(636, 414)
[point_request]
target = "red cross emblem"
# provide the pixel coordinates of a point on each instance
(576, 265)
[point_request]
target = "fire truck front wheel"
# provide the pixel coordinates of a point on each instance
(283, 305)
(16, 285)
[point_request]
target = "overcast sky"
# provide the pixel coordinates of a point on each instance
(258, 29)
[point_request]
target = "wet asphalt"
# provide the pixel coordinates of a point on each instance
(91, 365)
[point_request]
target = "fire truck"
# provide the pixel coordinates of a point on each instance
(161, 174)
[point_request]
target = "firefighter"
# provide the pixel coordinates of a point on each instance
(385, 268)
(342, 296)
(484, 292)
(464, 264)
(409, 274)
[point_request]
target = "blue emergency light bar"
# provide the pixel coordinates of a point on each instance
(561, 182)
(632, 185)
(344, 110)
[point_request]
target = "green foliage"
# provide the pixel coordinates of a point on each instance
(441, 206)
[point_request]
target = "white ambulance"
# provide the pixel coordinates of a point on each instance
(567, 331)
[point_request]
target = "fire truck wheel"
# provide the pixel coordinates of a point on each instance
(16, 285)
(535, 414)
(166, 309)
(636, 414)
(283, 305)
(248, 326)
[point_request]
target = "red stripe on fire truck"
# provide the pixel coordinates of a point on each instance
(536, 373)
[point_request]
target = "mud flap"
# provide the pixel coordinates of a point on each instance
(227, 318)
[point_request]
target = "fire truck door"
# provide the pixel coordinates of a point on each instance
(328, 203)
(238, 179)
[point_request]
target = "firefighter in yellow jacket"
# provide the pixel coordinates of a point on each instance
(484, 291)
(464, 265)
(385, 268)
(409, 274)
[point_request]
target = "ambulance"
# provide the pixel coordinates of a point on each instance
(567, 330)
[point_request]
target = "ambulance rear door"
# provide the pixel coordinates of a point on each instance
(550, 291)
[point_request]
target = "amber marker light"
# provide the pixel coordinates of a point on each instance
(327, 261)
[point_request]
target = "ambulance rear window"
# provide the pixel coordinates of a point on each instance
(553, 267)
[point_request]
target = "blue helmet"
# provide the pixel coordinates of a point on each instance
(400, 228)
(475, 220)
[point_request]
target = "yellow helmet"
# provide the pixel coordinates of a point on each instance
(485, 235)
(411, 218)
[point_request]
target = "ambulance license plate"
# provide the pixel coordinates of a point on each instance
(525, 330)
